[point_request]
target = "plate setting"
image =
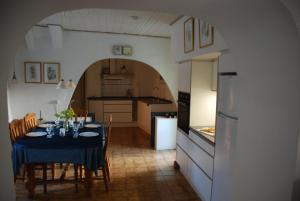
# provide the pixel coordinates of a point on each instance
(88, 134)
(45, 125)
(36, 134)
(92, 125)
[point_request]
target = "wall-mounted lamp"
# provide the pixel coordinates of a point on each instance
(66, 85)
(14, 79)
(71, 84)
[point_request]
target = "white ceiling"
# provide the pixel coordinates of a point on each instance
(116, 21)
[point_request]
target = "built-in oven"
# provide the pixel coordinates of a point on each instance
(183, 115)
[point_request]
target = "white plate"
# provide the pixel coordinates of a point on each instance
(92, 125)
(88, 134)
(45, 125)
(36, 134)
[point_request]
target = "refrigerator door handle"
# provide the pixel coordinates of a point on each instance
(228, 74)
(223, 115)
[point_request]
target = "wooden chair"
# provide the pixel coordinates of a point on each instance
(105, 167)
(17, 131)
(30, 122)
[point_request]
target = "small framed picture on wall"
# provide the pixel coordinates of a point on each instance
(51, 72)
(189, 35)
(32, 72)
(206, 34)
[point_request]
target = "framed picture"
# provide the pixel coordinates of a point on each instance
(127, 50)
(206, 34)
(51, 72)
(189, 35)
(33, 72)
(117, 50)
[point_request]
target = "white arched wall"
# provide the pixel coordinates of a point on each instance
(262, 38)
(78, 52)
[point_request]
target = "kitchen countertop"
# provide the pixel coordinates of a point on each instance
(146, 99)
(209, 138)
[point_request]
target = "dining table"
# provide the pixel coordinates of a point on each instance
(56, 148)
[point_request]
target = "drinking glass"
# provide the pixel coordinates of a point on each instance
(57, 123)
(62, 132)
(48, 130)
(71, 123)
(75, 129)
(81, 122)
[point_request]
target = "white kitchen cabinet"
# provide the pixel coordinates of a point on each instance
(182, 159)
(118, 117)
(182, 140)
(184, 76)
(199, 181)
(201, 158)
(117, 108)
(202, 143)
(96, 106)
(120, 110)
(195, 164)
(144, 116)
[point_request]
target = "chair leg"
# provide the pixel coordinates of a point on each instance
(53, 170)
(45, 177)
(107, 170)
(105, 178)
(80, 172)
(76, 177)
(24, 173)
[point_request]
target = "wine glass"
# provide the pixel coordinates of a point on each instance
(75, 129)
(57, 122)
(48, 130)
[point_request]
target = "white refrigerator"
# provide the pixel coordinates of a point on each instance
(226, 134)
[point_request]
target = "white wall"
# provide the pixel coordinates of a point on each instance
(80, 50)
(203, 99)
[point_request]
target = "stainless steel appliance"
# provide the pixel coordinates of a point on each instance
(183, 116)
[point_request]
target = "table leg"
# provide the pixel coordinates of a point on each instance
(30, 184)
(88, 181)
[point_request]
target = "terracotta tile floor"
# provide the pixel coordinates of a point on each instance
(138, 173)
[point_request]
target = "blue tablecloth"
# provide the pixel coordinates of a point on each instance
(87, 151)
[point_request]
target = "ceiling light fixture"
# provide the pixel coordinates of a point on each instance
(61, 84)
(71, 84)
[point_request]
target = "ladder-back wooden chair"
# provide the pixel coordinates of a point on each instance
(17, 131)
(30, 121)
(105, 168)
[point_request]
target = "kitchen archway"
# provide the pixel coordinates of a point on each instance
(133, 92)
